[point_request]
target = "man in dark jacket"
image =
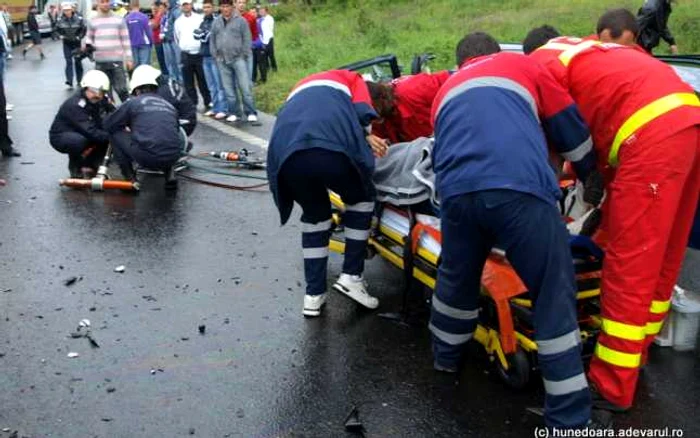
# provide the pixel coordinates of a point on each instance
(145, 129)
(71, 29)
(77, 128)
(34, 33)
(653, 25)
(173, 91)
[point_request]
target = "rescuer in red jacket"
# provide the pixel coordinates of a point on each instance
(404, 106)
(644, 121)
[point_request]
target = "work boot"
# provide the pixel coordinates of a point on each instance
(128, 172)
(170, 178)
(355, 288)
(24, 53)
(313, 304)
(74, 164)
(11, 152)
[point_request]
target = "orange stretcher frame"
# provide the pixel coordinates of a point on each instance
(499, 282)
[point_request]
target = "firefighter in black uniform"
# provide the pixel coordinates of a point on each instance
(146, 129)
(77, 128)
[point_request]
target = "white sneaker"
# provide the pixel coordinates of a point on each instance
(219, 116)
(209, 113)
(9, 117)
(232, 118)
(252, 118)
(354, 287)
(313, 304)
(9, 107)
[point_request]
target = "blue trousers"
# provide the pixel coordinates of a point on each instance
(213, 78)
(161, 59)
(234, 77)
(72, 61)
(306, 177)
(142, 55)
(535, 239)
(171, 52)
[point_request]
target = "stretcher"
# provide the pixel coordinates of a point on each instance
(412, 242)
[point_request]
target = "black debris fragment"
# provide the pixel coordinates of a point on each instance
(111, 389)
(202, 329)
(352, 421)
(70, 281)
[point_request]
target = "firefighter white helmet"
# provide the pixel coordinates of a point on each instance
(143, 75)
(96, 80)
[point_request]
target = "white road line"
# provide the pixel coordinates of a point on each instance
(234, 132)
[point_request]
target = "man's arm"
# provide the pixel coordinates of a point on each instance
(119, 119)
(247, 37)
(662, 25)
(126, 42)
(90, 34)
(564, 126)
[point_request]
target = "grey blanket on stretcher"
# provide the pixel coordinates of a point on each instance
(405, 175)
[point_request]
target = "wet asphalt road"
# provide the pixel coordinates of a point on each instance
(207, 256)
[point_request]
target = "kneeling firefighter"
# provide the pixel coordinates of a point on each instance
(77, 128)
(145, 129)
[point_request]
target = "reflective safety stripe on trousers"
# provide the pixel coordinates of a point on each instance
(647, 114)
(618, 358)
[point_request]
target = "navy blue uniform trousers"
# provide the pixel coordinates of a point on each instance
(306, 176)
(535, 239)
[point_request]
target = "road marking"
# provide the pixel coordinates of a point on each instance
(234, 132)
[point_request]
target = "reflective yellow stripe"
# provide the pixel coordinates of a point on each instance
(660, 307)
(653, 328)
(618, 358)
(569, 54)
(645, 115)
(557, 46)
(623, 331)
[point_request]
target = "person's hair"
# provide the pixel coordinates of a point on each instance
(134, 4)
(208, 2)
(226, 3)
(538, 37)
(476, 44)
(383, 98)
(148, 88)
(617, 21)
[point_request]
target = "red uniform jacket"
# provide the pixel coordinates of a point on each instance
(610, 83)
(415, 95)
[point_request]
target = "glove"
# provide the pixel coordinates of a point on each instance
(594, 189)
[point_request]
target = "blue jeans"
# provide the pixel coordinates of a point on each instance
(234, 77)
(213, 78)
(142, 55)
(70, 62)
(161, 59)
(3, 56)
(172, 60)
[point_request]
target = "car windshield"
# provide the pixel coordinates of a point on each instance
(689, 73)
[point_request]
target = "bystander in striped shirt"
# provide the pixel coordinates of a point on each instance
(108, 34)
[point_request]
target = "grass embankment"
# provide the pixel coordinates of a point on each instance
(332, 34)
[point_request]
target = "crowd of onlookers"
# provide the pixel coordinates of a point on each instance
(218, 55)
